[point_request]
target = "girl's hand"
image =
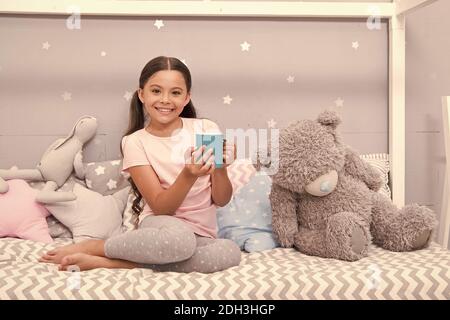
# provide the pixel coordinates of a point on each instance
(198, 163)
(229, 153)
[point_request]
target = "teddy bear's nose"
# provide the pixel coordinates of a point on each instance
(323, 185)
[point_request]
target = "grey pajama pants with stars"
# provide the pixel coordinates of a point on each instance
(166, 243)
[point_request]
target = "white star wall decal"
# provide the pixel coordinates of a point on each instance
(115, 162)
(45, 45)
(103, 54)
(290, 79)
(271, 123)
(245, 46)
(128, 95)
(355, 45)
(227, 99)
(339, 102)
(159, 24)
(66, 96)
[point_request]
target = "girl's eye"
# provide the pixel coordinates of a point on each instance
(176, 92)
(155, 91)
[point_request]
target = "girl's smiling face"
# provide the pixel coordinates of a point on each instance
(164, 96)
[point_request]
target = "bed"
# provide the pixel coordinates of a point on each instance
(273, 274)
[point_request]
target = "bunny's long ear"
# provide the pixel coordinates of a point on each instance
(329, 118)
(72, 132)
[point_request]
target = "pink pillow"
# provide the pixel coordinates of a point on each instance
(21, 216)
(239, 173)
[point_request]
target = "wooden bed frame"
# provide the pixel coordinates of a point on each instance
(395, 11)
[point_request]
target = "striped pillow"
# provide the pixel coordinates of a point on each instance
(380, 161)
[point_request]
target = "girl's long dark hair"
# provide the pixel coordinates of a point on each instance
(137, 115)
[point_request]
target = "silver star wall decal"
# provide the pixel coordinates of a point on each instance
(271, 123)
(66, 96)
(128, 95)
(159, 24)
(245, 46)
(339, 102)
(45, 45)
(227, 99)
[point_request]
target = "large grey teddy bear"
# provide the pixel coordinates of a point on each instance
(324, 200)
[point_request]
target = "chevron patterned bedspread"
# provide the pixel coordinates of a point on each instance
(275, 274)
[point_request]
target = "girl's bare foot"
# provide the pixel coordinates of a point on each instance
(91, 247)
(87, 262)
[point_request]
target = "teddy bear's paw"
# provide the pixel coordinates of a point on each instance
(422, 240)
(411, 229)
(421, 222)
(347, 237)
(358, 241)
(4, 186)
(286, 240)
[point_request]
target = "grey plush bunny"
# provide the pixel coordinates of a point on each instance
(57, 164)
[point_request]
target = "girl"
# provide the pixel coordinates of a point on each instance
(180, 185)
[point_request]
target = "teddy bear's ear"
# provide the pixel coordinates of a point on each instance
(329, 118)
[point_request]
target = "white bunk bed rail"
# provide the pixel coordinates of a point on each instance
(443, 235)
